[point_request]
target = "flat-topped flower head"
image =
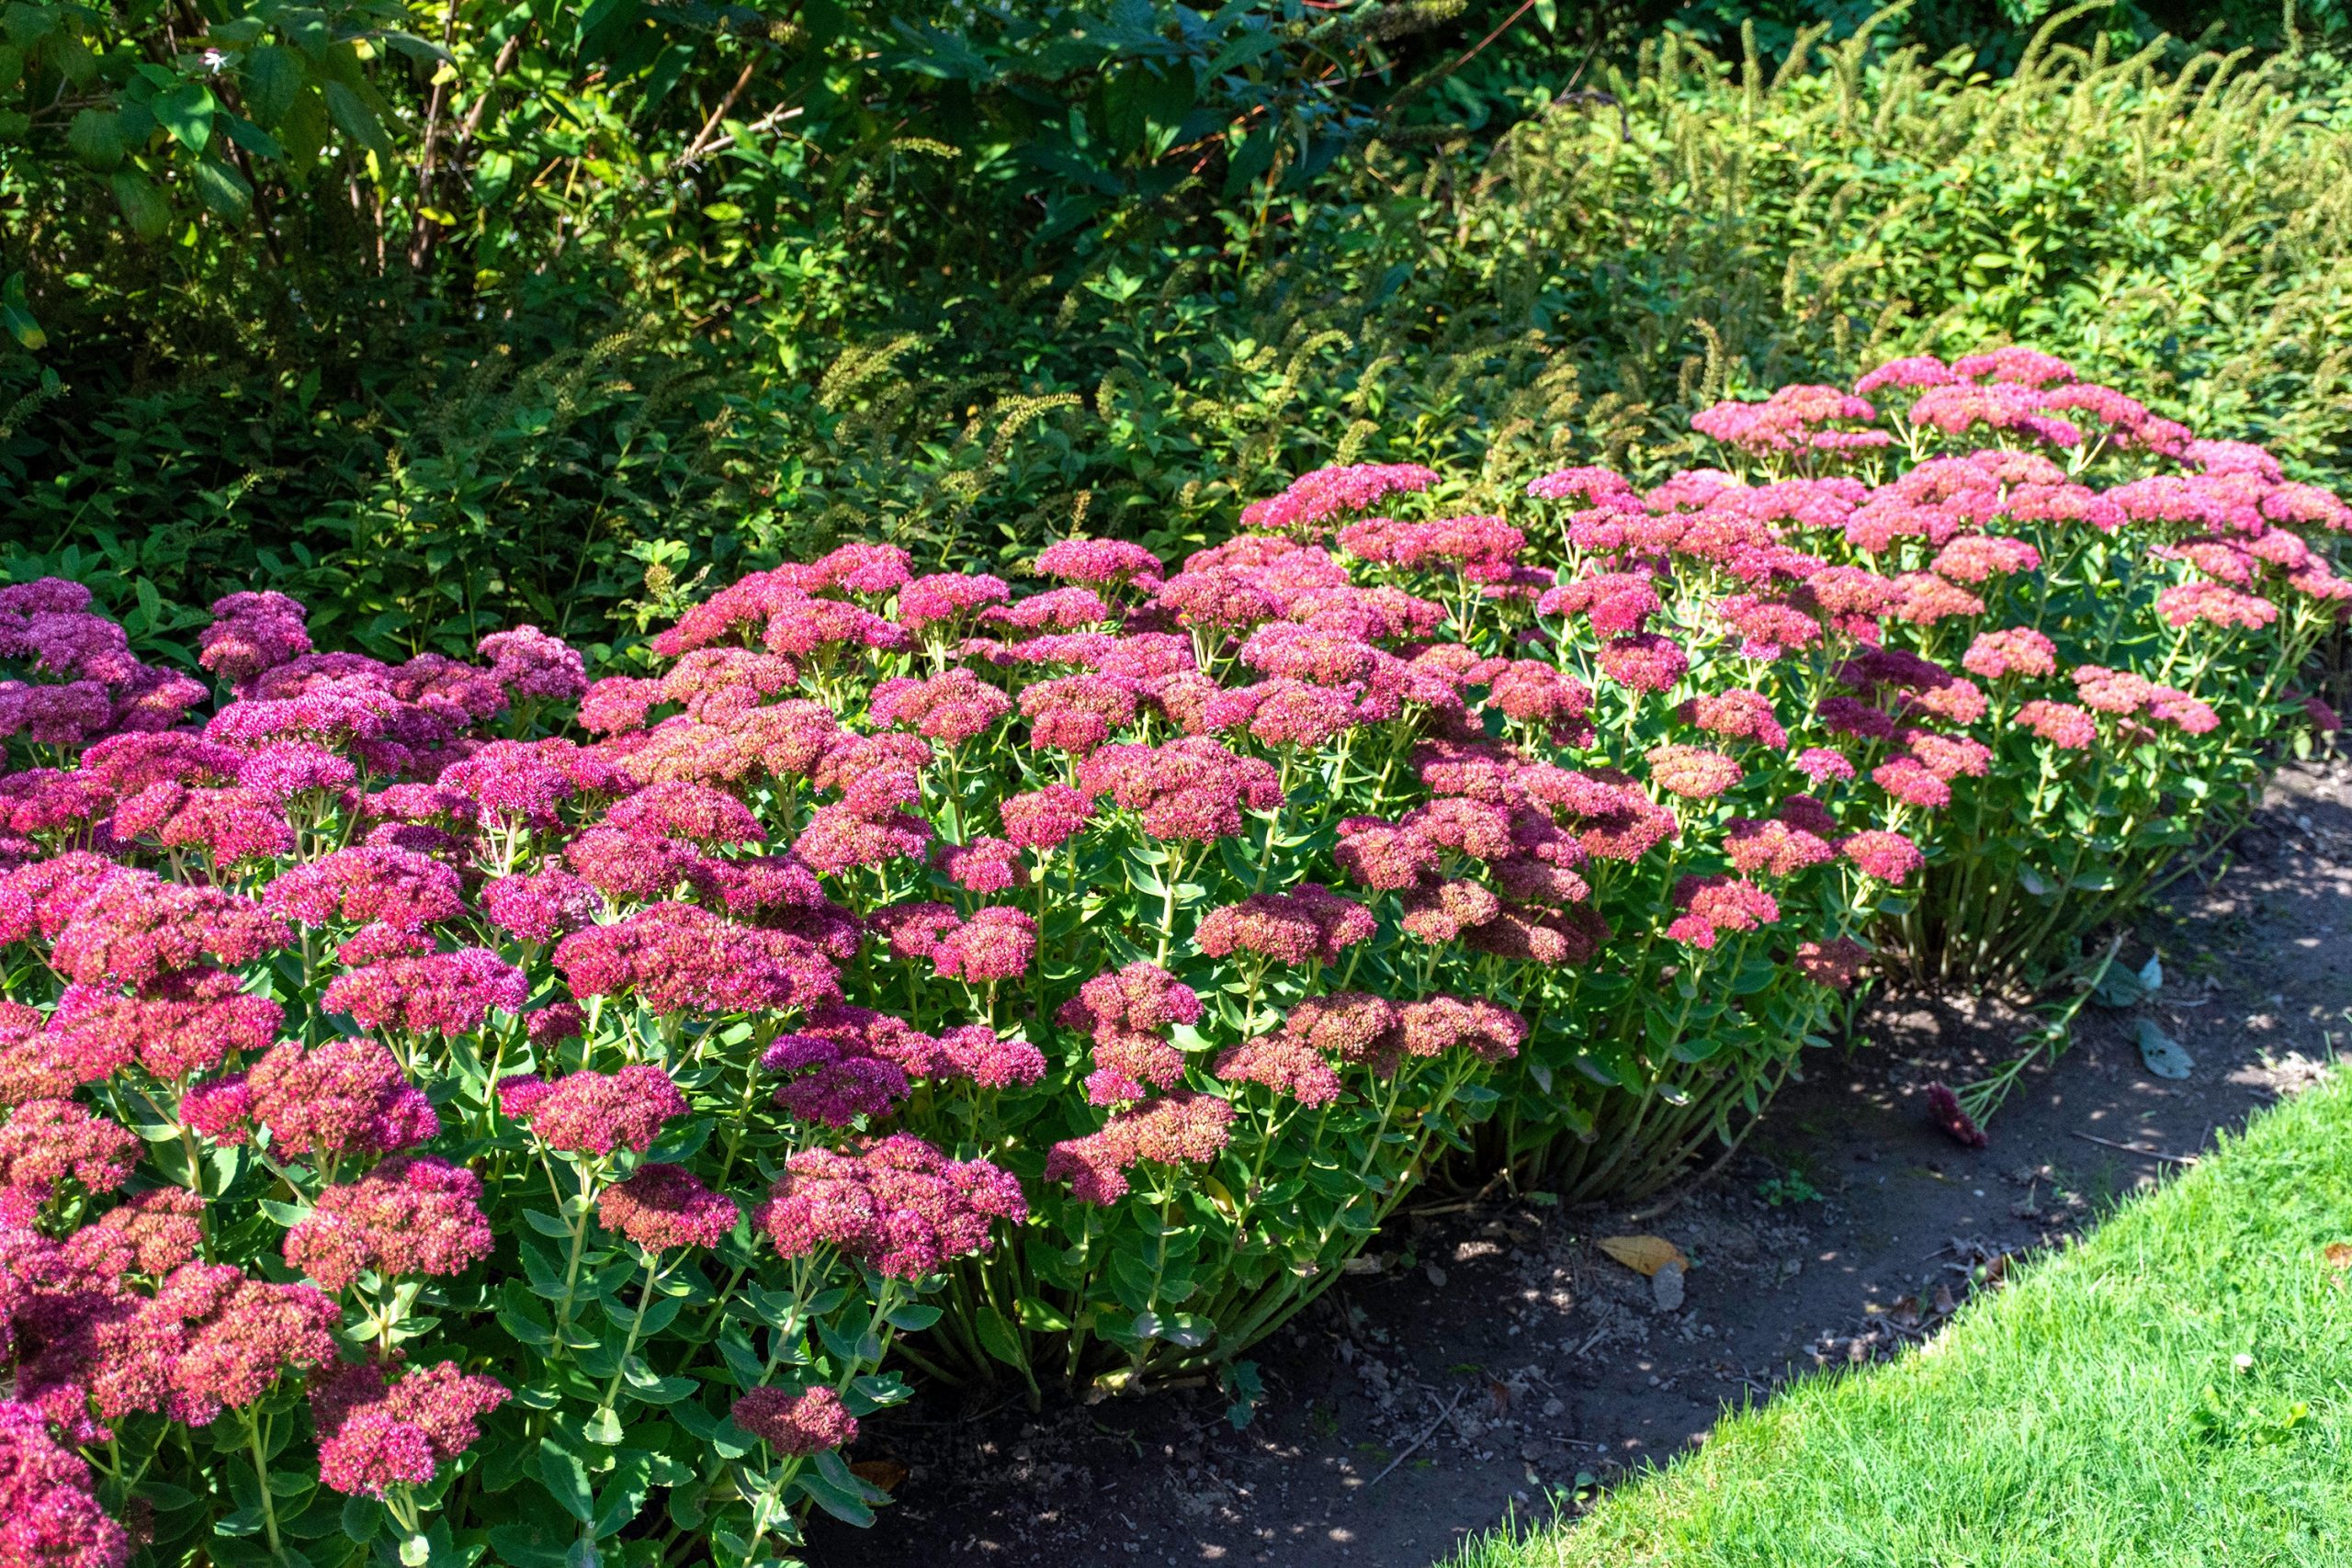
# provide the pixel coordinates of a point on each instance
(410, 1215)
(665, 1206)
(590, 1113)
(378, 1433)
(436, 993)
(899, 1206)
(1180, 1129)
(796, 1422)
(341, 1099)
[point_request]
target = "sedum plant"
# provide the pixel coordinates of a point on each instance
(455, 1111)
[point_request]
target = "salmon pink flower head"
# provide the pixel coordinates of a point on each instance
(899, 1206)
(531, 665)
(512, 784)
(2187, 713)
(1313, 499)
(35, 1064)
(1384, 856)
(211, 1340)
(1820, 764)
(1309, 924)
(227, 826)
(835, 1078)
(1737, 712)
(1434, 1025)
(1185, 1128)
(413, 1215)
(1596, 487)
(949, 597)
(1439, 912)
(856, 567)
(149, 1234)
(678, 958)
(1957, 409)
(1887, 856)
(1794, 418)
(1912, 782)
(1973, 558)
(1927, 599)
(1643, 661)
(972, 1052)
(2214, 604)
(1141, 998)
(45, 1142)
(589, 1112)
(1712, 904)
(1127, 1013)
(800, 626)
(796, 1423)
(375, 1436)
(1549, 936)
(665, 1206)
(1474, 829)
(1916, 371)
(2024, 367)
(2063, 724)
(1304, 653)
(843, 835)
(287, 772)
(1078, 712)
(1055, 610)
(1692, 772)
(2118, 691)
(676, 808)
(1535, 692)
(1773, 847)
(436, 993)
(2015, 650)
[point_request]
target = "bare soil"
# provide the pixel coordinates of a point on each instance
(1492, 1360)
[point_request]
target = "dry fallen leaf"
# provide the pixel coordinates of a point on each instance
(884, 1473)
(2339, 1256)
(1645, 1254)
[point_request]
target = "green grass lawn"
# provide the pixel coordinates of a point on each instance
(2178, 1389)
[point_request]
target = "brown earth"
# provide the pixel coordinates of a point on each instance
(1512, 1367)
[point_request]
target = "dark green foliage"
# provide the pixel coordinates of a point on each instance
(625, 329)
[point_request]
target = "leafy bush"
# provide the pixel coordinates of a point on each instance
(517, 447)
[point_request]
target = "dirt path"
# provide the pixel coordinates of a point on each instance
(1527, 1364)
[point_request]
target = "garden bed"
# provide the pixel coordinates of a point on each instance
(1565, 1368)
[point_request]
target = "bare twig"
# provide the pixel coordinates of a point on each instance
(742, 80)
(2143, 1154)
(1442, 1417)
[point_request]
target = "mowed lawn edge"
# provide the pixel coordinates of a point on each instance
(2177, 1390)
